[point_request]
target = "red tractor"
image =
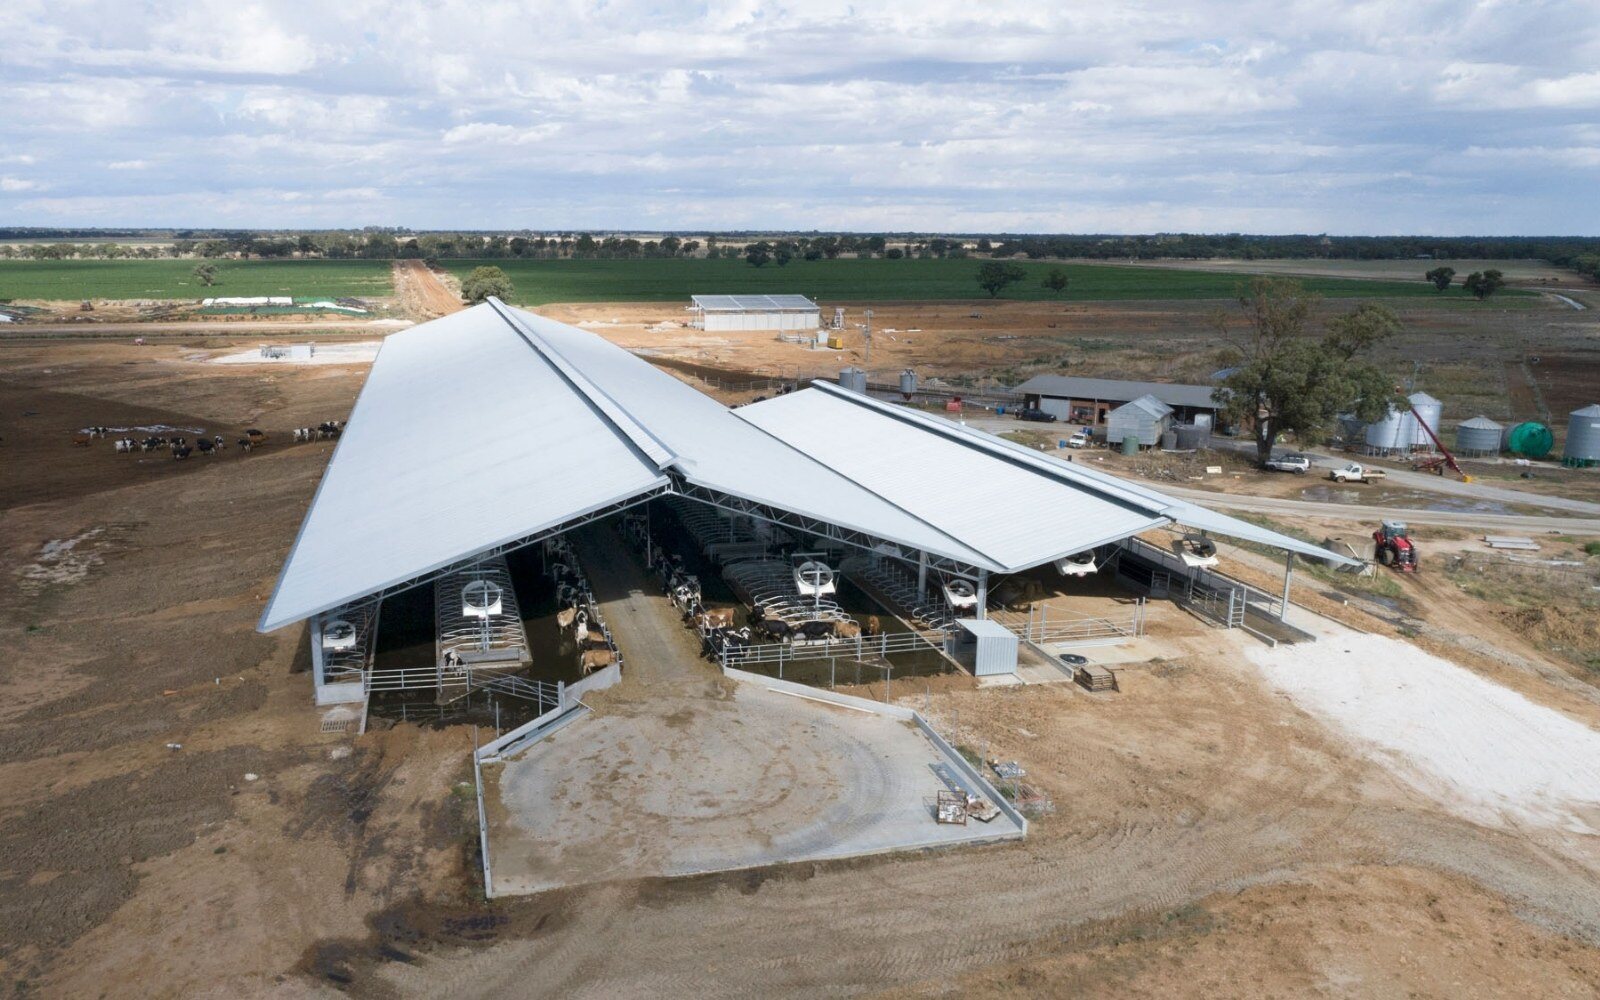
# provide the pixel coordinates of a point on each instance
(1394, 548)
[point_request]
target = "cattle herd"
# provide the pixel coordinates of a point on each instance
(716, 626)
(577, 610)
(181, 446)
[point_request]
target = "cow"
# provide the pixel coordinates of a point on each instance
(244, 445)
(181, 451)
(205, 445)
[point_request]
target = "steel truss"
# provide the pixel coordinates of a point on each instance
(822, 529)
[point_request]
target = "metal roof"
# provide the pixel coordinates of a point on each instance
(753, 303)
(1113, 390)
(967, 469)
(1002, 508)
(456, 416)
(492, 425)
(1592, 410)
(1482, 423)
(1149, 404)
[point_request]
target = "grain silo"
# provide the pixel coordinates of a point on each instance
(853, 379)
(1478, 437)
(1424, 409)
(1583, 437)
(908, 383)
(1530, 439)
(1392, 433)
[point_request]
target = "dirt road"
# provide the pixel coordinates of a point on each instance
(422, 293)
(1362, 512)
(241, 328)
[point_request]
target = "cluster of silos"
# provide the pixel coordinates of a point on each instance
(1402, 433)
(853, 379)
(1583, 437)
(1478, 437)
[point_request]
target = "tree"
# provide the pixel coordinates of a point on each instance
(1056, 280)
(782, 256)
(1285, 381)
(995, 275)
(207, 273)
(1483, 284)
(1440, 276)
(484, 282)
(758, 254)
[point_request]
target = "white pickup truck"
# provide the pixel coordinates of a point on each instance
(1355, 472)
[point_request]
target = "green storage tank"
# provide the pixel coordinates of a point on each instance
(1530, 440)
(1130, 445)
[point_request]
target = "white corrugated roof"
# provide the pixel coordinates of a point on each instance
(754, 303)
(494, 424)
(456, 419)
(1148, 404)
(1157, 505)
(1005, 509)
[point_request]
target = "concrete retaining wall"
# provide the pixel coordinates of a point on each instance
(980, 783)
(597, 681)
(821, 694)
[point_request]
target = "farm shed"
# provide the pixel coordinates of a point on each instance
(1080, 400)
(755, 312)
(619, 431)
(1144, 419)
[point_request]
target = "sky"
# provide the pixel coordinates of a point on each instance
(1419, 117)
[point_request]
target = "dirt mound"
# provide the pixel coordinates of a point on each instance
(1574, 632)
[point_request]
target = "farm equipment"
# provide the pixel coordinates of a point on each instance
(1438, 463)
(1393, 547)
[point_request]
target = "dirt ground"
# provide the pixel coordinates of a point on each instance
(1209, 838)
(424, 293)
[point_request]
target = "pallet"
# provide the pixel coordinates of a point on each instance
(1095, 677)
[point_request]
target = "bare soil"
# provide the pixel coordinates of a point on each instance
(424, 293)
(1208, 837)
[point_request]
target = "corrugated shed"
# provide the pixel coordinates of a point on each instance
(441, 437)
(1115, 390)
(1002, 508)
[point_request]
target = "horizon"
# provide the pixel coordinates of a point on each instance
(1382, 120)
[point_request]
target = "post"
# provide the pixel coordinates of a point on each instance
(983, 594)
(922, 576)
(1288, 576)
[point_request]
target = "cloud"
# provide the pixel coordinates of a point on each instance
(915, 114)
(14, 184)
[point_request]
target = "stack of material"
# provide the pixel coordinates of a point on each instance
(1511, 542)
(952, 808)
(1095, 677)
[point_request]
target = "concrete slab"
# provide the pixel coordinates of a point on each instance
(692, 785)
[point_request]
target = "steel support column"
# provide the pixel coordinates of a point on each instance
(983, 593)
(1288, 577)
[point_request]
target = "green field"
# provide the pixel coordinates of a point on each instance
(670, 280)
(174, 279)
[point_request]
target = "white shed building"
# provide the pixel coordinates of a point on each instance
(755, 312)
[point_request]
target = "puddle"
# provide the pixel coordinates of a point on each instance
(1408, 499)
(64, 561)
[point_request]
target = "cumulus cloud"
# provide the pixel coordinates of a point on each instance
(1261, 115)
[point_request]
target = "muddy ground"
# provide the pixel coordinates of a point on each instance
(1208, 838)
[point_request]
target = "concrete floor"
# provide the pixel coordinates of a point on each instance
(681, 771)
(762, 778)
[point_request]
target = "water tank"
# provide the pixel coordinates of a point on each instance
(1426, 409)
(1583, 436)
(1478, 436)
(1193, 437)
(1392, 433)
(853, 379)
(908, 383)
(1531, 440)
